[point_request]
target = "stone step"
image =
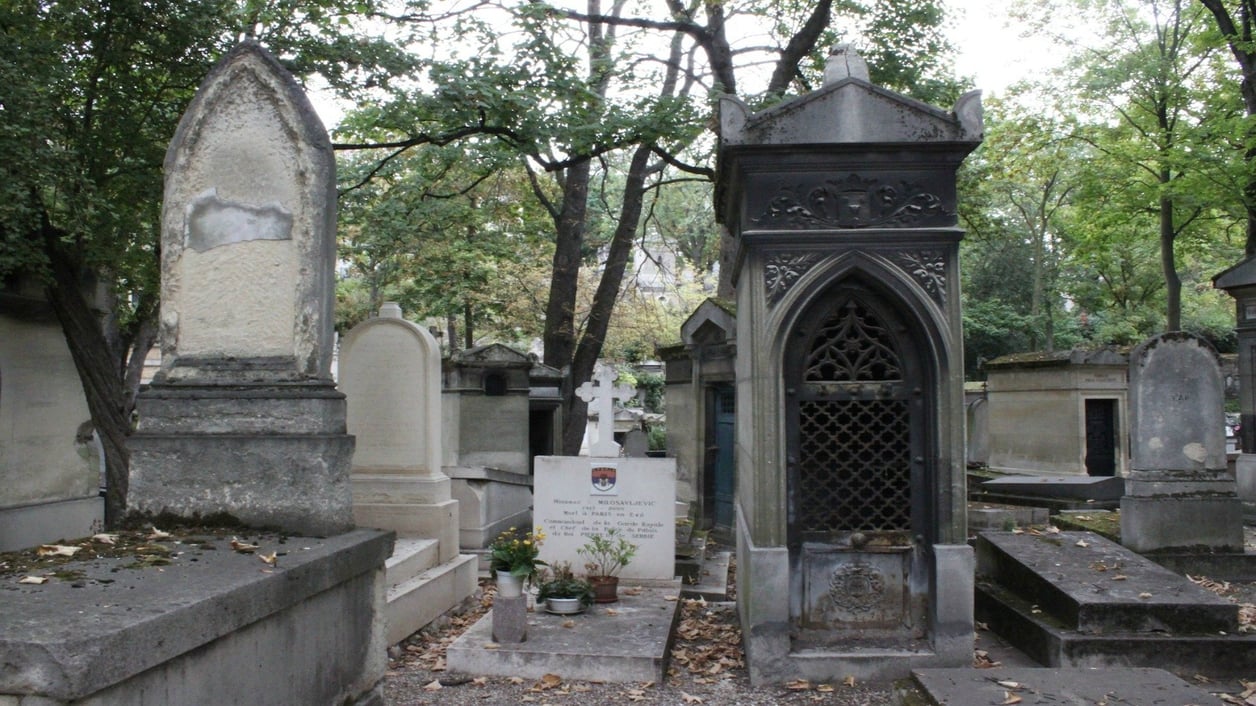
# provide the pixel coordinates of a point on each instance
(417, 600)
(410, 557)
(1043, 639)
(1054, 686)
(1094, 586)
(711, 581)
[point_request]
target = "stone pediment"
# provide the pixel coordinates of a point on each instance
(1241, 275)
(850, 110)
(711, 322)
(493, 355)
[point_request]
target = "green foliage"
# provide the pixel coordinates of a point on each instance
(564, 584)
(517, 552)
(607, 553)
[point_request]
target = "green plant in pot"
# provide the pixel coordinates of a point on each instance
(564, 593)
(604, 555)
(514, 557)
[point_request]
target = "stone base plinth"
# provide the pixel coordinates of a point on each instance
(267, 455)
(1210, 523)
(510, 619)
(437, 521)
(490, 501)
(1245, 480)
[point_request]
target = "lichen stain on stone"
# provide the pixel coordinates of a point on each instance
(212, 222)
(1155, 443)
(1195, 451)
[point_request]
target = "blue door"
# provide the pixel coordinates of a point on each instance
(725, 482)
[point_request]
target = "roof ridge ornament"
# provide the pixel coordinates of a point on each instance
(844, 62)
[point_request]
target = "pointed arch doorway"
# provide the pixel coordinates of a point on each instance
(858, 395)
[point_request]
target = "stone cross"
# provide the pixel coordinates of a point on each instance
(601, 398)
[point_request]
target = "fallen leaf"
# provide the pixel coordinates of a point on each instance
(982, 626)
(1017, 530)
(1008, 684)
(242, 547)
(828, 688)
(569, 624)
(612, 611)
(480, 681)
(1053, 530)
(634, 591)
(157, 534)
(433, 685)
(512, 680)
(492, 646)
(1119, 577)
(1009, 699)
(1082, 543)
(56, 550)
(671, 598)
(549, 681)
(635, 695)
(37, 580)
(690, 698)
(104, 538)
(272, 558)
(798, 685)
(1144, 594)
(848, 681)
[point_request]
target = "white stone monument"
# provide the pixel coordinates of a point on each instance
(390, 374)
(243, 418)
(577, 496)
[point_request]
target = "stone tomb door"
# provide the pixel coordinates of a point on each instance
(1100, 437)
(856, 404)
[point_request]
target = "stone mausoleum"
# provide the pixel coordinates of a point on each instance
(850, 510)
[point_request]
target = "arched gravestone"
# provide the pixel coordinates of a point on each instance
(1179, 495)
(390, 375)
(243, 418)
(850, 503)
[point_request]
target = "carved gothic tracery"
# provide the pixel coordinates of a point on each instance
(854, 202)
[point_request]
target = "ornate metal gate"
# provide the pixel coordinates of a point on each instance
(855, 470)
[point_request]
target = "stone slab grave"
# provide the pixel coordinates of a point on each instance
(213, 626)
(1039, 687)
(1075, 599)
(628, 641)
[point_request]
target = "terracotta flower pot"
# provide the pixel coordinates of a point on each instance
(605, 588)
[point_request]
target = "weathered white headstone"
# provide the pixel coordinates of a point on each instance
(390, 375)
(243, 418)
(249, 215)
(1178, 493)
(577, 497)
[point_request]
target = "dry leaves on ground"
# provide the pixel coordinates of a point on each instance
(708, 642)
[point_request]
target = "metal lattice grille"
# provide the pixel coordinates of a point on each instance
(855, 465)
(852, 346)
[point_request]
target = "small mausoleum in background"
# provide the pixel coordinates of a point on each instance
(850, 505)
(1058, 413)
(701, 405)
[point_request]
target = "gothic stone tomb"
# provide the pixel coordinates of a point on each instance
(849, 433)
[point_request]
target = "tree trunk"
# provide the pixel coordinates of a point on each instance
(560, 310)
(98, 370)
(1239, 38)
(586, 354)
(1168, 263)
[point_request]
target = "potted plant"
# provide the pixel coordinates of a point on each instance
(564, 593)
(514, 557)
(605, 555)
